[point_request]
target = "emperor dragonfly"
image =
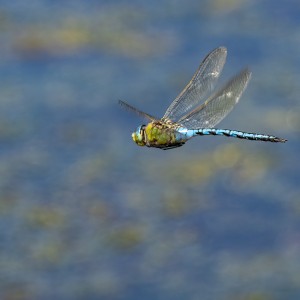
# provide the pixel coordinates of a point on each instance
(184, 119)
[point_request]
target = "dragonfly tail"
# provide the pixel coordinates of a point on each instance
(239, 134)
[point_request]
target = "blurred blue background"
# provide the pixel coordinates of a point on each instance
(87, 214)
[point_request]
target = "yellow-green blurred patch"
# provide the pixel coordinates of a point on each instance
(126, 237)
(17, 291)
(46, 217)
(113, 31)
(253, 296)
(222, 6)
(100, 211)
(175, 203)
(49, 252)
(8, 201)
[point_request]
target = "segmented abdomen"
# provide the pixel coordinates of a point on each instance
(239, 134)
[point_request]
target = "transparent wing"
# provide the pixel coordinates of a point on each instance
(136, 111)
(201, 84)
(218, 106)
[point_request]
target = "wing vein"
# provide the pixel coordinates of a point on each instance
(202, 83)
(218, 106)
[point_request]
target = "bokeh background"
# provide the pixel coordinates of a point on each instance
(87, 214)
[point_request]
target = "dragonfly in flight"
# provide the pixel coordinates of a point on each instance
(185, 118)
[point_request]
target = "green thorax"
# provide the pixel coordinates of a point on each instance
(159, 134)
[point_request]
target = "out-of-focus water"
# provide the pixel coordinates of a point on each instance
(85, 213)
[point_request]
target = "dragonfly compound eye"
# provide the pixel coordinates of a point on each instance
(138, 136)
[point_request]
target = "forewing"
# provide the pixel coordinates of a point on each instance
(136, 111)
(218, 106)
(201, 84)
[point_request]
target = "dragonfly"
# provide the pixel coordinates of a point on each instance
(186, 118)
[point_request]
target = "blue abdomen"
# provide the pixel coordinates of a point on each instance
(238, 134)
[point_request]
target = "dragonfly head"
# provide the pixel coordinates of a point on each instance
(139, 136)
